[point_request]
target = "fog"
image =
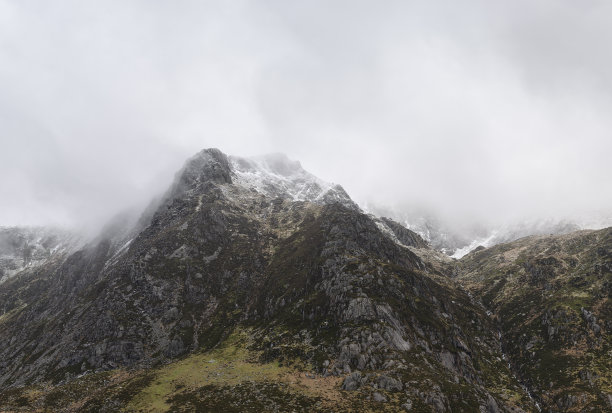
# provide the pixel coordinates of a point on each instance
(473, 110)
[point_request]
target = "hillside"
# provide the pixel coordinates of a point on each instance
(253, 283)
(550, 296)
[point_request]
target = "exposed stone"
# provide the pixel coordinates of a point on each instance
(377, 397)
(389, 383)
(352, 381)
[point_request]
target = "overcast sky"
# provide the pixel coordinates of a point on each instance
(486, 109)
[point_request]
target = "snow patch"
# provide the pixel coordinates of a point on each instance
(485, 242)
(277, 176)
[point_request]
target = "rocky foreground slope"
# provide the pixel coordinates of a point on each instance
(254, 286)
(550, 296)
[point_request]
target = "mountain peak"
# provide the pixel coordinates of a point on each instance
(259, 258)
(276, 175)
(208, 165)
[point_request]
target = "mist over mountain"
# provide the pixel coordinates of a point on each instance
(252, 284)
(473, 112)
(283, 206)
(459, 238)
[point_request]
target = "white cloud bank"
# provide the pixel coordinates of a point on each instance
(475, 110)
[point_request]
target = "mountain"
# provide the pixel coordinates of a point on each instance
(550, 296)
(276, 176)
(458, 239)
(511, 232)
(252, 285)
(440, 234)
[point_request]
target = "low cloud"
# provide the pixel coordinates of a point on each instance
(473, 110)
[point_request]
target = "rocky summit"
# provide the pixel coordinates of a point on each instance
(254, 286)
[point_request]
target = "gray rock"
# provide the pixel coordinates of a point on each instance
(389, 383)
(352, 381)
(490, 406)
(377, 397)
(359, 308)
(567, 401)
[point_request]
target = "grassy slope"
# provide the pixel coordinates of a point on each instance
(229, 378)
(538, 288)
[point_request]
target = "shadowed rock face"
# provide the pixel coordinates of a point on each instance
(404, 235)
(291, 260)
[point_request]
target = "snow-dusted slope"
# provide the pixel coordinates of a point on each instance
(23, 248)
(512, 232)
(458, 239)
(277, 176)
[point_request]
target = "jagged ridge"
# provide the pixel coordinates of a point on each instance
(263, 250)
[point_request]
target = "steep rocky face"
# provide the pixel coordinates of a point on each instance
(441, 234)
(364, 307)
(551, 299)
(400, 233)
(259, 264)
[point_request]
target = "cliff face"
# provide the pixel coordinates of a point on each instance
(254, 283)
